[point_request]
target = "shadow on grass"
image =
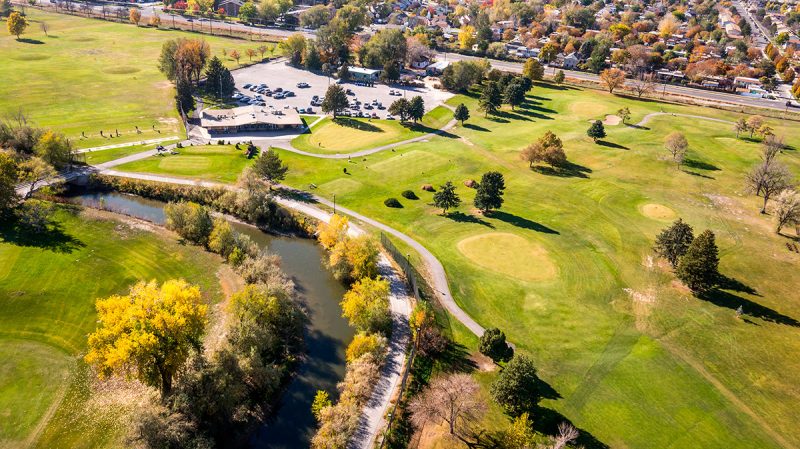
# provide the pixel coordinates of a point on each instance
(547, 422)
(568, 170)
(515, 115)
(26, 40)
(475, 127)
(357, 124)
(425, 129)
(700, 165)
(552, 86)
(461, 217)
(522, 222)
(633, 125)
(455, 358)
(728, 283)
(731, 301)
(535, 106)
(53, 238)
(699, 175)
(604, 143)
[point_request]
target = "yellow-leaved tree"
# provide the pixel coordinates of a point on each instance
(366, 305)
(149, 333)
(329, 234)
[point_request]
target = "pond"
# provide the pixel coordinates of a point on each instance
(327, 334)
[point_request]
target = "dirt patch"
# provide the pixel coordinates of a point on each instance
(657, 212)
(482, 362)
(610, 120)
(467, 142)
(725, 203)
(163, 85)
(230, 283)
(121, 70)
(509, 254)
(30, 57)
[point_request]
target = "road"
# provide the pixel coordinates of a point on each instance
(761, 35)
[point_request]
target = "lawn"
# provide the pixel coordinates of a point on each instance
(219, 163)
(348, 135)
(566, 270)
(49, 283)
(98, 157)
(87, 76)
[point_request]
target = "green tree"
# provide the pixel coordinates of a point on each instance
(190, 220)
(548, 53)
(489, 194)
(596, 131)
(624, 114)
(311, 57)
(222, 239)
(491, 98)
(321, 401)
(514, 94)
(335, 100)
(17, 24)
(366, 305)
(461, 75)
(33, 171)
(270, 10)
(461, 113)
(416, 108)
(149, 333)
(698, 268)
(219, 81)
(559, 77)
(55, 149)
(8, 183)
(493, 345)
(400, 107)
(673, 242)
(248, 12)
(533, 69)
(446, 198)
(315, 16)
(516, 388)
(270, 166)
(390, 72)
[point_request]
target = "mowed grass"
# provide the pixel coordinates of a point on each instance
(219, 163)
(98, 157)
(635, 360)
(48, 284)
(349, 135)
(91, 75)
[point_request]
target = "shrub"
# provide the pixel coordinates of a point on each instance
(190, 220)
(471, 183)
(392, 202)
(409, 195)
(427, 188)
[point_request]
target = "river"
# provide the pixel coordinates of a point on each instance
(327, 334)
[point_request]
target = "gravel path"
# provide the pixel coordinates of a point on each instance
(646, 119)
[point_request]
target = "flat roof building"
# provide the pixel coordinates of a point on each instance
(249, 118)
(364, 75)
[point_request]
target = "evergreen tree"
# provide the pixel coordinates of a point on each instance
(184, 100)
(491, 98)
(559, 77)
(461, 113)
(514, 94)
(698, 268)
(335, 100)
(312, 60)
(270, 166)
(489, 194)
(673, 242)
(596, 131)
(446, 197)
(219, 81)
(493, 345)
(416, 108)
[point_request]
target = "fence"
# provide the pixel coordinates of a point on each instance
(404, 263)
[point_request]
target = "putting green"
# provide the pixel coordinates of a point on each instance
(340, 186)
(414, 162)
(657, 212)
(182, 162)
(510, 255)
(588, 109)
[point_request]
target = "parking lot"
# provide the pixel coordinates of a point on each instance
(277, 75)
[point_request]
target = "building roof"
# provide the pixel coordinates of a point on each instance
(364, 71)
(249, 115)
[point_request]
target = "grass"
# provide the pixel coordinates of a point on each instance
(219, 163)
(349, 135)
(87, 76)
(98, 157)
(636, 361)
(49, 283)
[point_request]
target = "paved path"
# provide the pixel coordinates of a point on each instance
(646, 119)
(127, 144)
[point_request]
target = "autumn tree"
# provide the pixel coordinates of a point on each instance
(149, 333)
(270, 166)
(446, 198)
(365, 343)
(135, 16)
(677, 145)
(673, 242)
(466, 37)
(559, 77)
(740, 126)
(33, 171)
(235, 55)
(493, 345)
(698, 268)
(452, 399)
(754, 123)
(612, 79)
(548, 149)
(642, 86)
(333, 232)
(624, 114)
(16, 24)
(596, 131)
(489, 193)
(55, 149)
(767, 179)
(533, 69)
(786, 210)
(8, 182)
(366, 305)
(461, 113)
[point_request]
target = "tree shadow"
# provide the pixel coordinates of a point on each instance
(728, 300)
(522, 222)
(700, 175)
(461, 217)
(456, 358)
(27, 40)
(547, 421)
(425, 129)
(552, 86)
(604, 143)
(535, 106)
(357, 124)
(497, 119)
(53, 238)
(729, 283)
(700, 165)
(475, 127)
(633, 125)
(513, 115)
(567, 170)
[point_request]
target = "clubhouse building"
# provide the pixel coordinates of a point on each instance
(249, 119)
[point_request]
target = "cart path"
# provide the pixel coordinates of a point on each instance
(646, 119)
(128, 144)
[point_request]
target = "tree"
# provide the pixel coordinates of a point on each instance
(677, 145)
(335, 100)
(33, 171)
(311, 58)
(270, 166)
(293, 48)
(493, 345)
(613, 79)
(16, 24)
(548, 53)
(219, 81)
(520, 434)
(366, 305)
(461, 113)
(45, 28)
(466, 37)
(331, 233)
(149, 333)
(548, 149)
(786, 210)
(248, 11)
(135, 16)
(754, 122)
(491, 98)
(400, 107)
(559, 77)
(155, 21)
(516, 388)
(222, 239)
(643, 85)
(453, 399)
(364, 343)
(416, 108)
(698, 268)
(190, 220)
(269, 10)
(489, 194)
(461, 75)
(315, 16)
(533, 69)
(386, 47)
(673, 242)
(596, 131)
(767, 179)
(8, 183)
(235, 55)
(446, 198)
(514, 94)
(55, 149)
(624, 114)
(740, 126)
(321, 401)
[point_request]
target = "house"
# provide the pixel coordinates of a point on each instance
(248, 119)
(363, 75)
(231, 7)
(437, 68)
(423, 62)
(569, 61)
(743, 82)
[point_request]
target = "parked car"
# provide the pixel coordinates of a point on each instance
(302, 85)
(278, 89)
(389, 117)
(247, 86)
(368, 106)
(349, 92)
(374, 115)
(289, 93)
(309, 111)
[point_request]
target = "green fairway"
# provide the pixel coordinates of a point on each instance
(91, 75)
(98, 157)
(348, 135)
(636, 360)
(219, 163)
(49, 283)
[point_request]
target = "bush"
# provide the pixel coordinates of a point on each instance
(190, 220)
(427, 188)
(392, 202)
(409, 195)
